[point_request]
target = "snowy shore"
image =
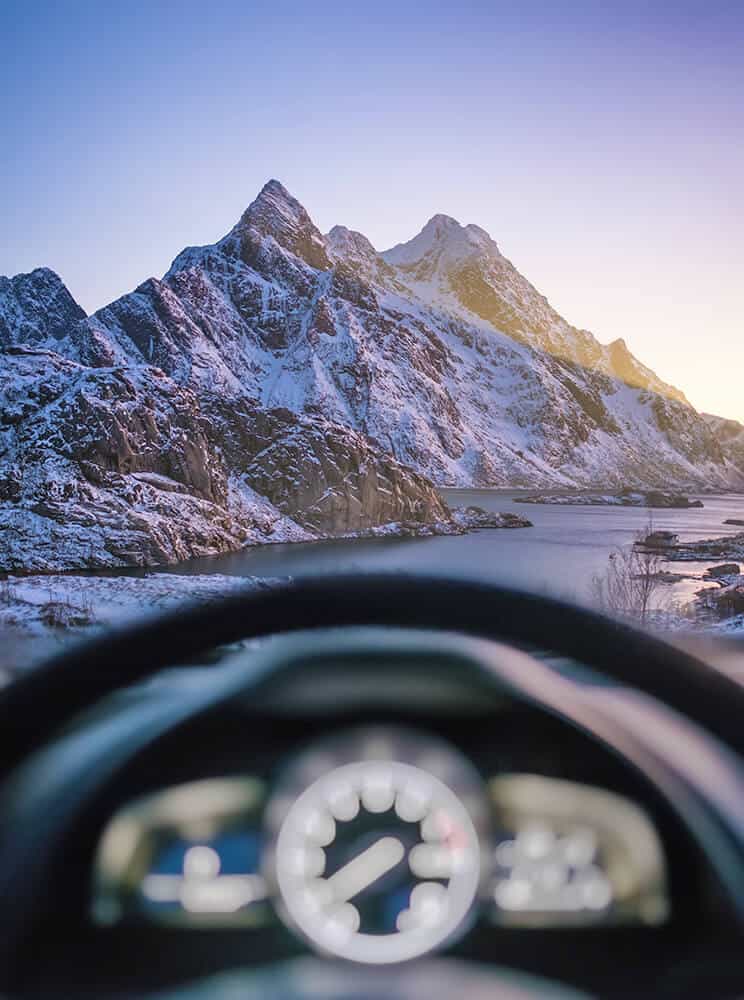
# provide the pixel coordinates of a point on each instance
(40, 614)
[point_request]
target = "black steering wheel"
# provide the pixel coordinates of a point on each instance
(43, 701)
(74, 680)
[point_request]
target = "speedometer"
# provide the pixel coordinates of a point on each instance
(378, 860)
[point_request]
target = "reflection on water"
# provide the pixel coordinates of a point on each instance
(559, 555)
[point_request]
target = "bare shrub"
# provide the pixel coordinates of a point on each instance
(630, 585)
(66, 609)
(63, 615)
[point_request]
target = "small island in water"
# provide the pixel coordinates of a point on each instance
(654, 499)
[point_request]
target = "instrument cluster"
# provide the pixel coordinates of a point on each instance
(378, 844)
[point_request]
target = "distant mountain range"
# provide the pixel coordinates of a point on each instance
(281, 384)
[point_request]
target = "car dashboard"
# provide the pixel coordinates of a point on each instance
(559, 843)
(360, 800)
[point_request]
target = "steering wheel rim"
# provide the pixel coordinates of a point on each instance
(71, 681)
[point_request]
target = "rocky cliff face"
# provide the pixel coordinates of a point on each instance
(282, 383)
(112, 466)
(327, 477)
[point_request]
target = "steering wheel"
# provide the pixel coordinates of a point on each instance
(43, 701)
(72, 681)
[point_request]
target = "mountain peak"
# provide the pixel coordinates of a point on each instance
(274, 192)
(441, 223)
(445, 238)
(273, 203)
(277, 213)
(39, 278)
(626, 366)
(36, 306)
(346, 244)
(272, 185)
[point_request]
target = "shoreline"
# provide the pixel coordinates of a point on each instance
(43, 613)
(462, 521)
(68, 595)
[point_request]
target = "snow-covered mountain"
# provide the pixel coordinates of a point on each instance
(283, 382)
(438, 349)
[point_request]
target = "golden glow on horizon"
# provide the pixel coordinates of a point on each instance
(694, 344)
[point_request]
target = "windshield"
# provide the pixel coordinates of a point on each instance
(540, 389)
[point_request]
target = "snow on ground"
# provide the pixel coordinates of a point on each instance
(39, 614)
(671, 622)
(732, 626)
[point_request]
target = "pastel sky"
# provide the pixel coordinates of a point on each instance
(601, 144)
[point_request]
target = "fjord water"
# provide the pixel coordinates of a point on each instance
(559, 555)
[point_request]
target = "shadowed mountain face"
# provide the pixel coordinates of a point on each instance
(730, 435)
(281, 382)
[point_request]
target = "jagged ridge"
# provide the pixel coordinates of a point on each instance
(438, 349)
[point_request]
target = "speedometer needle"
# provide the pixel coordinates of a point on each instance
(366, 868)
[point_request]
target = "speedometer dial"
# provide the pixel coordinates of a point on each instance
(377, 861)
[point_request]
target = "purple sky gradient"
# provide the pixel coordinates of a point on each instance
(601, 145)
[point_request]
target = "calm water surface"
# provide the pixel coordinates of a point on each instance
(559, 555)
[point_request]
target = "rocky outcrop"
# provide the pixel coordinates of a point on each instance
(722, 570)
(115, 467)
(729, 547)
(325, 476)
(474, 517)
